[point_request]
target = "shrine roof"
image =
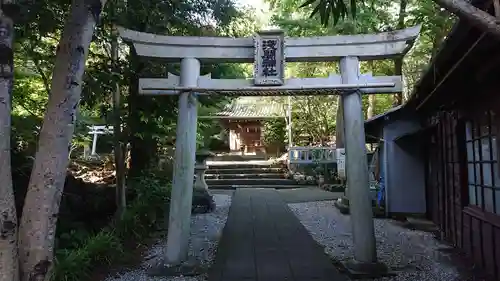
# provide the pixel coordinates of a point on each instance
(251, 108)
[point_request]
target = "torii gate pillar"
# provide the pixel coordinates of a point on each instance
(185, 150)
(365, 251)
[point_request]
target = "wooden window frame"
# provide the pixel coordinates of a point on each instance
(477, 136)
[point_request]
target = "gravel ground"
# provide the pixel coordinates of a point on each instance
(412, 255)
(205, 233)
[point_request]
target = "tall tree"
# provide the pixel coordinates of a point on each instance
(339, 132)
(9, 270)
(41, 207)
(398, 62)
(119, 148)
(339, 9)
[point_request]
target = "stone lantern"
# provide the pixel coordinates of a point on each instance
(200, 168)
(202, 199)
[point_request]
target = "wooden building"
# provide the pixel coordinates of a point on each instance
(243, 120)
(454, 115)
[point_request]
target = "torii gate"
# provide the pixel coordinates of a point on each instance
(269, 50)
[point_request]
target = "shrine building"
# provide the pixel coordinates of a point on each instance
(243, 120)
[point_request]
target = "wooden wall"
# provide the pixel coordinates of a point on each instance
(471, 228)
(248, 134)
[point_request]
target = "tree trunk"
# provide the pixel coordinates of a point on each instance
(121, 199)
(398, 70)
(339, 131)
(398, 62)
(464, 10)
(289, 122)
(312, 130)
(372, 102)
(372, 99)
(38, 223)
(9, 262)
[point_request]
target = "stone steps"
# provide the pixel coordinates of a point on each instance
(236, 157)
(234, 187)
(244, 181)
(224, 170)
(248, 174)
(245, 176)
(241, 165)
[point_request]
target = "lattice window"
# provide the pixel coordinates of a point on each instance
(253, 129)
(482, 163)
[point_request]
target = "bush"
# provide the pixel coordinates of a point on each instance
(149, 197)
(78, 263)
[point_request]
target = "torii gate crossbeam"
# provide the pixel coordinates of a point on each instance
(242, 50)
(269, 80)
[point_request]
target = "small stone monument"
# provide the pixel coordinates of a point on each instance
(203, 201)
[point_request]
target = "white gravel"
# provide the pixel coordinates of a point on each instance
(411, 254)
(205, 233)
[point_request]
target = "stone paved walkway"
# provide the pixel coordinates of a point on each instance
(264, 241)
(307, 194)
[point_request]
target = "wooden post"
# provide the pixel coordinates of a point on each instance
(185, 149)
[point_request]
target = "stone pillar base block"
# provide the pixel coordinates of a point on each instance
(361, 270)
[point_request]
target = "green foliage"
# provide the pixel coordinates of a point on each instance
(338, 9)
(150, 195)
(29, 96)
(315, 117)
(25, 130)
(210, 130)
(77, 264)
(275, 132)
(151, 119)
(378, 16)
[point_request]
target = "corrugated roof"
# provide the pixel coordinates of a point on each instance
(388, 112)
(252, 107)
